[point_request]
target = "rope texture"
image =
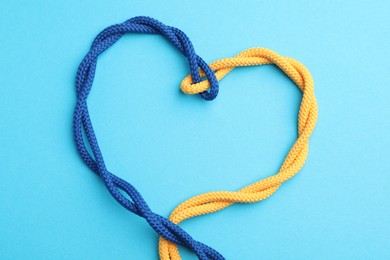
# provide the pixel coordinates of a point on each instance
(214, 201)
(82, 122)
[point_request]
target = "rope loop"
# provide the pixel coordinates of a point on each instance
(134, 202)
(147, 25)
(214, 201)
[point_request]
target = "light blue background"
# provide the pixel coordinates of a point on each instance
(172, 146)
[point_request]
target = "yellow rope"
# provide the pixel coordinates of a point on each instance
(213, 201)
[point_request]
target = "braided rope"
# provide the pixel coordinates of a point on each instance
(82, 122)
(214, 201)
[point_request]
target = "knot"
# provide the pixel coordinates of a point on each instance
(180, 40)
(214, 201)
(121, 190)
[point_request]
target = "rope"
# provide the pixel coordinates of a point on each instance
(82, 122)
(214, 201)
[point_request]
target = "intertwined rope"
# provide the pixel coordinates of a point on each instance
(214, 201)
(82, 122)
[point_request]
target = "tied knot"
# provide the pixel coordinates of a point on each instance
(199, 69)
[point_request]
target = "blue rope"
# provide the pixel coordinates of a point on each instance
(82, 122)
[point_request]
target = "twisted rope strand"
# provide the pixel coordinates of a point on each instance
(82, 123)
(214, 201)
